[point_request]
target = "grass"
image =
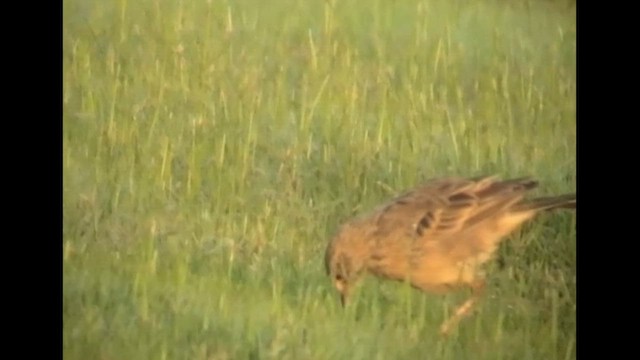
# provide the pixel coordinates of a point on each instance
(211, 148)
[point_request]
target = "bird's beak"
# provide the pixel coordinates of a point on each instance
(343, 289)
(343, 298)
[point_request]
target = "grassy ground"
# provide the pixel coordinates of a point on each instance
(212, 147)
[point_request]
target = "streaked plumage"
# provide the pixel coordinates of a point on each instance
(436, 236)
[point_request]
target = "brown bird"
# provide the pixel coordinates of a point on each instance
(436, 236)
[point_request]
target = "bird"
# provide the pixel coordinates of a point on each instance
(436, 236)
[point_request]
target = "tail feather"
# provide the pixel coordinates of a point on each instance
(567, 201)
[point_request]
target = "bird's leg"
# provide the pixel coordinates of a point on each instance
(464, 309)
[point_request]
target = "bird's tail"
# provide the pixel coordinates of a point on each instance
(567, 201)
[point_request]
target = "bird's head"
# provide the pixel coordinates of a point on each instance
(345, 261)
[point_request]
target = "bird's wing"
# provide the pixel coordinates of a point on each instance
(441, 209)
